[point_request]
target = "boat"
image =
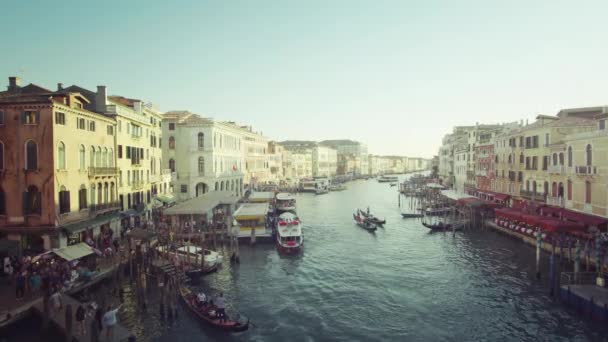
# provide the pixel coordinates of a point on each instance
(393, 184)
(192, 255)
(365, 224)
(206, 313)
(411, 215)
(321, 191)
(388, 179)
(337, 187)
(289, 233)
(441, 226)
(285, 202)
(371, 218)
(308, 186)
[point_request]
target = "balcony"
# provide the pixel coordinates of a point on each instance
(102, 171)
(102, 207)
(585, 170)
(556, 201)
(532, 195)
(137, 185)
(557, 169)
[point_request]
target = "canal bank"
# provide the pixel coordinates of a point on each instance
(401, 283)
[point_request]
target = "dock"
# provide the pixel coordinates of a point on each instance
(588, 299)
(59, 319)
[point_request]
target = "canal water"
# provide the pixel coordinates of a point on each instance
(401, 283)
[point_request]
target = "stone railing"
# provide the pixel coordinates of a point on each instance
(557, 169)
(102, 171)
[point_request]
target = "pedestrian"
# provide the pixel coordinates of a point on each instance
(57, 301)
(109, 321)
(20, 286)
(80, 320)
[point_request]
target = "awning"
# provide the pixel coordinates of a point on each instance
(551, 211)
(167, 199)
(586, 219)
(155, 204)
(202, 204)
(92, 223)
(553, 225)
(261, 196)
(251, 211)
(74, 252)
(534, 220)
(509, 214)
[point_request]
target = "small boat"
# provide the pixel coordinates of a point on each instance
(371, 218)
(321, 191)
(337, 187)
(365, 224)
(285, 202)
(393, 184)
(411, 215)
(207, 313)
(388, 179)
(441, 226)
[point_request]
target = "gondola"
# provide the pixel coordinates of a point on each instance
(411, 215)
(206, 313)
(365, 224)
(371, 218)
(441, 226)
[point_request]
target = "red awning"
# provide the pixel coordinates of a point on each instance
(534, 220)
(508, 214)
(586, 219)
(552, 225)
(551, 211)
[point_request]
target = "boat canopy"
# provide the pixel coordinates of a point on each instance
(251, 211)
(261, 196)
(453, 195)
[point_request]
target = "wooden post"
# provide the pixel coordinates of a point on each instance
(577, 260)
(552, 268)
(539, 242)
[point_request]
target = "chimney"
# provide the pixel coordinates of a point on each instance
(14, 83)
(101, 99)
(59, 86)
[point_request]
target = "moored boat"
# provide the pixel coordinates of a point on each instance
(285, 202)
(321, 191)
(289, 233)
(411, 215)
(207, 312)
(388, 179)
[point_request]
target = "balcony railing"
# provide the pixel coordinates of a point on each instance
(165, 171)
(102, 171)
(585, 170)
(532, 195)
(104, 206)
(557, 169)
(556, 201)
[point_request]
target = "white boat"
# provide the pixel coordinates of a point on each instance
(285, 202)
(388, 179)
(289, 233)
(308, 186)
(192, 255)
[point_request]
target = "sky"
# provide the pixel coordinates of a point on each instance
(396, 75)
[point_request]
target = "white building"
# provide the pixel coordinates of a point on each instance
(255, 151)
(324, 161)
(204, 155)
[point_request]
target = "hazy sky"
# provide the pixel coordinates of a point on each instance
(394, 74)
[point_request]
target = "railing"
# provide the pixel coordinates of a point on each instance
(580, 278)
(532, 195)
(104, 206)
(556, 201)
(585, 170)
(557, 169)
(165, 171)
(102, 171)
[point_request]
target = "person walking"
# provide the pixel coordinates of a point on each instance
(109, 321)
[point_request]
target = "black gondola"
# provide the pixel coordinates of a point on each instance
(206, 312)
(371, 218)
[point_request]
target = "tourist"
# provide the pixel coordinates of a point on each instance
(20, 286)
(35, 281)
(221, 307)
(56, 301)
(80, 320)
(109, 321)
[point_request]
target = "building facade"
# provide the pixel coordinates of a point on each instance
(324, 161)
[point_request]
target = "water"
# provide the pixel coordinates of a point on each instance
(400, 284)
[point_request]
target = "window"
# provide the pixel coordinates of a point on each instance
(1, 155)
(30, 118)
(64, 200)
(546, 139)
(110, 130)
(171, 143)
(171, 126)
(521, 158)
(2, 202)
(184, 188)
(119, 151)
(545, 162)
(61, 156)
(92, 126)
(31, 201)
(587, 192)
(98, 157)
(1, 118)
(588, 155)
(172, 165)
(201, 140)
(569, 190)
(128, 177)
(111, 158)
(60, 118)
(602, 124)
(92, 157)
(104, 157)
(82, 197)
(569, 155)
(561, 159)
(201, 166)
(81, 157)
(81, 123)
(31, 155)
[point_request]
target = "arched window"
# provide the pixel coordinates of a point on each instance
(92, 157)
(554, 158)
(172, 165)
(81, 157)
(31, 155)
(98, 157)
(222, 186)
(201, 166)
(2, 201)
(201, 140)
(104, 157)
(32, 198)
(528, 185)
(1, 156)
(110, 157)
(569, 155)
(554, 189)
(99, 193)
(61, 156)
(546, 188)
(217, 186)
(534, 186)
(569, 190)
(588, 156)
(510, 159)
(82, 196)
(93, 194)
(171, 143)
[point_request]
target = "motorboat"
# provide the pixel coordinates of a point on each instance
(289, 235)
(207, 312)
(308, 186)
(285, 202)
(207, 259)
